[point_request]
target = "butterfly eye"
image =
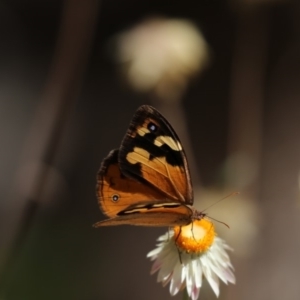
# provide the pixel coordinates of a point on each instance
(115, 197)
(152, 127)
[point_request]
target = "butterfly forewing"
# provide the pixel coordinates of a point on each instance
(151, 153)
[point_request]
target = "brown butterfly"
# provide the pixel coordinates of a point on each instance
(147, 181)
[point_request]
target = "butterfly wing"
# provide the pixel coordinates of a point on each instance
(151, 153)
(127, 201)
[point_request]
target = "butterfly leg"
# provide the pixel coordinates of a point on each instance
(179, 252)
(192, 229)
(170, 228)
(179, 233)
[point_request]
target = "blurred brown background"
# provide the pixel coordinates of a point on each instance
(65, 104)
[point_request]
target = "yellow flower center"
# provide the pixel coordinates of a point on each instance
(196, 237)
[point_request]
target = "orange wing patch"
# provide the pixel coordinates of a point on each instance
(116, 192)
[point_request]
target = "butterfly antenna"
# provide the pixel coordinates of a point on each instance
(232, 194)
(218, 221)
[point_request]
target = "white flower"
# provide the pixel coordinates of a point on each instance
(186, 254)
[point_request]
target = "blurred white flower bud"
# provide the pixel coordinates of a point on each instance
(161, 55)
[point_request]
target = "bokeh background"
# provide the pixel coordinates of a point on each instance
(225, 73)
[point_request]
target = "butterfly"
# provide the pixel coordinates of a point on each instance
(146, 181)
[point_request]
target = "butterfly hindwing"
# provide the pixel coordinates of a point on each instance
(127, 201)
(151, 153)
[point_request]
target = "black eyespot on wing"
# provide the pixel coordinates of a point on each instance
(115, 197)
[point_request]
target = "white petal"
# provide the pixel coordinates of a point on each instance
(167, 266)
(166, 237)
(188, 280)
(167, 279)
(176, 281)
(218, 270)
(165, 253)
(212, 279)
(195, 293)
(153, 254)
(197, 272)
(221, 268)
(156, 266)
(229, 275)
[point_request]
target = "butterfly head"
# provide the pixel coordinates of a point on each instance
(197, 215)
